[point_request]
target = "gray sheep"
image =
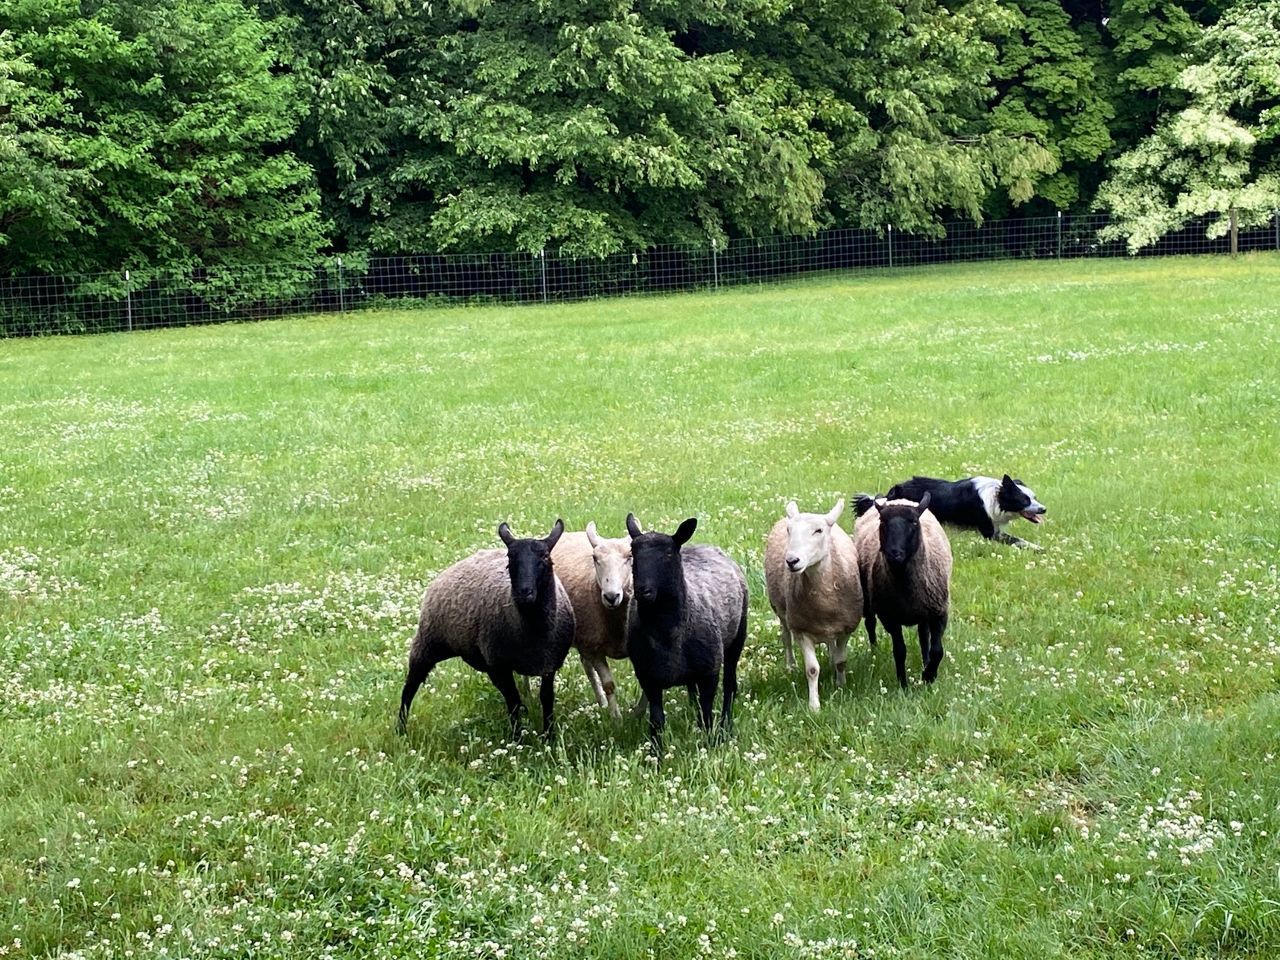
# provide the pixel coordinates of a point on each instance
(905, 559)
(503, 612)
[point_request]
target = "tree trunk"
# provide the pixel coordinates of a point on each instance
(1235, 232)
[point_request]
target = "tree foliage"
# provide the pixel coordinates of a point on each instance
(190, 134)
(1218, 155)
(149, 134)
(1053, 89)
(602, 125)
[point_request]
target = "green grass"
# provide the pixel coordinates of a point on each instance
(213, 542)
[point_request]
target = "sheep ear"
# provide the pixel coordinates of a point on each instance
(792, 509)
(554, 535)
(504, 532)
(685, 531)
(924, 504)
(633, 525)
(835, 512)
(593, 538)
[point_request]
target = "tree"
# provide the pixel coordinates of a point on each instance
(158, 127)
(605, 125)
(1219, 155)
(1054, 89)
(40, 186)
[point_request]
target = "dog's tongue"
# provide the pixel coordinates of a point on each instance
(1033, 517)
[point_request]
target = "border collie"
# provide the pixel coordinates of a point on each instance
(984, 504)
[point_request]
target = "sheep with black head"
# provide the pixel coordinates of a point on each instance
(904, 559)
(504, 612)
(687, 620)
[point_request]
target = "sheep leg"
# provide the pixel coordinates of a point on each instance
(592, 669)
(609, 687)
(657, 721)
(732, 654)
(922, 634)
(868, 617)
(547, 694)
(641, 706)
(785, 633)
(840, 656)
(419, 667)
(935, 648)
(810, 669)
(505, 681)
(706, 698)
(693, 694)
(899, 652)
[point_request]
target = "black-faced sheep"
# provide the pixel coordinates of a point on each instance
(503, 612)
(688, 619)
(905, 559)
(596, 573)
(811, 578)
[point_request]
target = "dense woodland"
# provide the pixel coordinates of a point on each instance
(208, 133)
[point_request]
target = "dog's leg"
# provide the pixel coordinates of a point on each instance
(1011, 540)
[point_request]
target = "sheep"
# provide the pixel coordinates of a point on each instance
(905, 561)
(687, 619)
(811, 578)
(596, 573)
(503, 612)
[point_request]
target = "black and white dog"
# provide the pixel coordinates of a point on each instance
(984, 504)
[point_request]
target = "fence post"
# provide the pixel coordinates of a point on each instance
(542, 255)
(1235, 232)
(342, 292)
(715, 265)
(128, 302)
(1275, 216)
(1059, 234)
(891, 244)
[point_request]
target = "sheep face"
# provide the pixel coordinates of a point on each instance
(656, 569)
(529, 565)
(612, 560)
(900, 530)
(809, 536)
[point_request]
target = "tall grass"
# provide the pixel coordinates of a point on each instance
(213, 542)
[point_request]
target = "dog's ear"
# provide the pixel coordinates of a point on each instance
(1008, 481)
(924, 504)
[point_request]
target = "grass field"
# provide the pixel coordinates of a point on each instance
(213, 543)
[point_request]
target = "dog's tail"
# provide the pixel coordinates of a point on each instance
(862, 502)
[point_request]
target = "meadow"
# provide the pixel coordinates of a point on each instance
(213, 543)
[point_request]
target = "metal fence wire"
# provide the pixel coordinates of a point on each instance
(136, 300)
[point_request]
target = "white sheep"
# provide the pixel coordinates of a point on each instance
(596, 573)
(811, 578)
(905, 559)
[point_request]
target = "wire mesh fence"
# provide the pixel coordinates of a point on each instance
(136, 300)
